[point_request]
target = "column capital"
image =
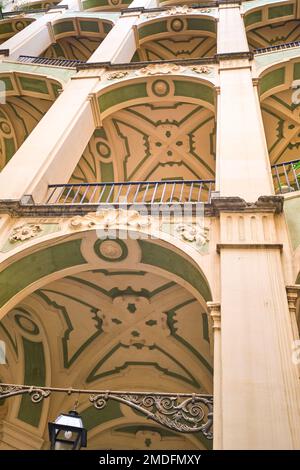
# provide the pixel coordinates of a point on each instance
(292, 293)
(214, 309)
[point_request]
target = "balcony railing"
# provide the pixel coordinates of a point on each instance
(29, 59)
(286, 176)
(137, 192)
(277, 47)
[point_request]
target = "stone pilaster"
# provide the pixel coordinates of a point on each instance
(215, 314)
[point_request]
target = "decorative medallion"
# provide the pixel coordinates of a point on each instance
(19, 25)
(114, 3)
(160, 69)
(24, 232)
(177, 25)
(116, 75)
(111, 250)
(5, 127)
(160, 88)
(193, 233)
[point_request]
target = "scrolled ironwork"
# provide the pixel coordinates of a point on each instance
(37, 394)
(181, 412)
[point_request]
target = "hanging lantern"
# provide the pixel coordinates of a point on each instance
(67, 432)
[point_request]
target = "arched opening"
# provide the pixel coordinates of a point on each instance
(105, 5)
(171, 137)
(11, 26)
(77, 38)
(169, 37)
(279, 95)
(126, 319)
(28, 97)
(272, 24)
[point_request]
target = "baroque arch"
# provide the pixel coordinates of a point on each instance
(271, 24)
(280, 110)
(76, 38)
(179, 34)
(172, 135)
(119, 320)
(11, 26)
(28, 96)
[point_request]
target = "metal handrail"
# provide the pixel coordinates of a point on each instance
(49, 61)
(285, 176)
(131, 192)
(277, 47)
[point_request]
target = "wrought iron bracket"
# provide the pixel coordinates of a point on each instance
(181, 412)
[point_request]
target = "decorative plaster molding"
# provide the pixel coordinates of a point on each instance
(201, 69)
(177, 11)
(293, 293)
(193, 233)
(24, 232)
(116, 75)
(160, 69)
(214, 309)
(109, 218)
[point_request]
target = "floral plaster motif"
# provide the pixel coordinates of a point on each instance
(24, 232)
(116, 75)
(193, 233)
(162, 69)
(108, 218)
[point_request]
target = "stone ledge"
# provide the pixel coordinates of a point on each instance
(275, 246)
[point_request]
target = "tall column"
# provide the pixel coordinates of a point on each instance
(215, 314)
(119, 45)
(231, 34)
(260, 384)
(34, 39)
(243, 167)
(52, 150)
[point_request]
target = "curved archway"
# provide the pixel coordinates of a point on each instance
(77, 37)
(271, 24)
(105, 5)
(171, 136)
(123, 321)
(11, 26)
(280, 111)
(169, 37)
(28, 97)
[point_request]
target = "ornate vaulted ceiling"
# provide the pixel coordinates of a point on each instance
(151, 142)
(28, 98)
(108, 329)
(77, 38)
(272, 34)
(177, 47)
(282, 126)
(72, 48)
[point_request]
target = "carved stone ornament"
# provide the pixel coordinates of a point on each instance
(116, 75)
(179, 10)
(160, 69)
(201, 69)
(24, 232)
(176, 11)
(109, 218)
(193, 233)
